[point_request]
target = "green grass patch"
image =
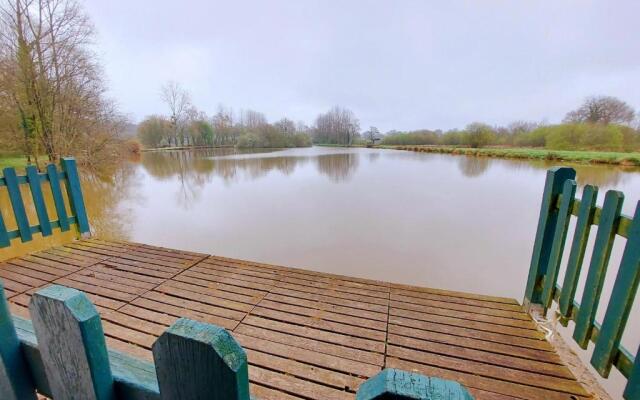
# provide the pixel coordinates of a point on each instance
(12, 160)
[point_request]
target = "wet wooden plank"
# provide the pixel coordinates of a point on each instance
(307, 334)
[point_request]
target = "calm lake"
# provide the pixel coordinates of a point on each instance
(455, 222)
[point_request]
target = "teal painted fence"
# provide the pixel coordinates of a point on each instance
(35, 180)
(61, 353)
(559, 205)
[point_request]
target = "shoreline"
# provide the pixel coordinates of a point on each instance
(584, 157)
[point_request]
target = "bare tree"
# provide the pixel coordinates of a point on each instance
(603, 110)
(251, 119)
(286, 126)
(372, 135)
(338, 126)
(223, 129)
(53, 79)
(179, 103)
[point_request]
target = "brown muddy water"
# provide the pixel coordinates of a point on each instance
(455, 222)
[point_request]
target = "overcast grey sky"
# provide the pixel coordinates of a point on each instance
(397, 64)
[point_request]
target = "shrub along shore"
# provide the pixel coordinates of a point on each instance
(594, 157)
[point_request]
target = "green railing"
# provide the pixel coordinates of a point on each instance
(34, 180)
(558, 206)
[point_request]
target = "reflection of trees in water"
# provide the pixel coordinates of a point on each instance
(374, 156)
(473, 167)
(103, 192)
(103, 195)
(194, 169)
(338, 167)
(170, 164)
(594, 174)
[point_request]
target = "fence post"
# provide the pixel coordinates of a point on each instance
(620, 302)
(556, 177)
(38, 200)
(632, 390)
(17, 204)
(394, 384)
(598, 264)
(76, 201)
(559, 240)
(15, 377)
(71, 344)
(196, 361)
(4, 235)
(58, 200)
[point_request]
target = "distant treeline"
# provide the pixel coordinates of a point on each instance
(187, 126)
(566, 136)
(601, 123)
(158, 131)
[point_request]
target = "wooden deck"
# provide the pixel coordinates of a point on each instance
(308, 335)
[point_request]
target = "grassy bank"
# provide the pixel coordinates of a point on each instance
(594, 157)
(11, 160)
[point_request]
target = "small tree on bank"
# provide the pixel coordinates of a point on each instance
(478, 134)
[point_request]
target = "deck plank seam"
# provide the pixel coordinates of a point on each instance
(48, 282)
(386, 336)
(160, 284)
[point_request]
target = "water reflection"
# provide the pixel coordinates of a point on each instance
(104, 192)
(104, 195)
(594, 174)
(338, 167)
(415, 218)
(472, 167)
(195, 169)
(224, 190)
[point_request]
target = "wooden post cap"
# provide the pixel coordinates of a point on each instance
(394, 384)
(195, 360)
